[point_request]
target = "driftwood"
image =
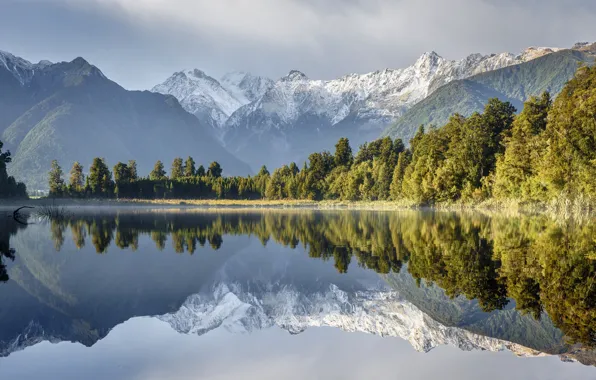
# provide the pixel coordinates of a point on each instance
(16, 215)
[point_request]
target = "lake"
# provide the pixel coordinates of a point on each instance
(140, 293)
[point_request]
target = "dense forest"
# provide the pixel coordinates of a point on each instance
(542, 265)
(546, 152)
(9, 187)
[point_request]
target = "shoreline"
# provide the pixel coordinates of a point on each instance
(560, 208)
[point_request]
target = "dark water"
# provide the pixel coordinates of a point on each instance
(135, 294)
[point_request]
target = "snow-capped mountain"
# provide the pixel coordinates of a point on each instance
(241, 309)
(210, 100)
(20, 68)
(262, 121)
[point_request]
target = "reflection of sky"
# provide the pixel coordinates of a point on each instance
(147, 349)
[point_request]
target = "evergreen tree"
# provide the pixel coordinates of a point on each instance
(568, 166)
(398, 174)
(177, 169)
(201, 171)
(189, 167)
(158, 173)
(121, 173)
(9, 187)
(55, 179)
(77, 178)
(100, 178)
(214, 170)
(524, 149)
(343, 153)
(132, 167)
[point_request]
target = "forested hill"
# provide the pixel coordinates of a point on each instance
(70, 111)
(546, 153)
(514, 84)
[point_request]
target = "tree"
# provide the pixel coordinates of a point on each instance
(158, 173)
(100, 178)
(343, 153)
(77, 178)
(132, 168)
(177, 169)
(55, 179)
(201, 171)
(189, 167)
(9, 187)
(121, 173)
(524, 149)
(398, 174)
(214, 170)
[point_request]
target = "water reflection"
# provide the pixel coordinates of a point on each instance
(527, 280)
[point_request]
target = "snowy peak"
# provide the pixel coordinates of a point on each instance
(536, 52)
(210, 100)
(245, 86)
(20, 68)
(295, 75)
(382, 312)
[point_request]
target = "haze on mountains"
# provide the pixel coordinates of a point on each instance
(70, 111)
(287, 119)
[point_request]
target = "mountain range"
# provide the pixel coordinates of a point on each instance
(70, 111)
(294, 115)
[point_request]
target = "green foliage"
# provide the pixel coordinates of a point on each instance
(9, 187)
(76, 182)
(189, 167)
(56, 179)
(177, 169)
(546, 152)
(343, 153)
(100, 178)
(158, 173)
(514, 84)
(214, 170)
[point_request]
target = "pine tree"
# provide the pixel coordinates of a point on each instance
(214, 170)
(177, 169)
(132, 168)
(189, 167)
(121, 173)
(343, 153)
(201, 171)
(77, 178)
(398, 174)
(100, 178)
(55, 179)
(158, 173)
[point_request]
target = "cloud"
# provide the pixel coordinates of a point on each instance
(146, 40)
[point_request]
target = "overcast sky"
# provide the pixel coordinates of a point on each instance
(139, 43)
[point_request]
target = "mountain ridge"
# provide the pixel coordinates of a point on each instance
(70, 111)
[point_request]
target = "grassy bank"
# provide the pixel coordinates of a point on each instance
(560, 207)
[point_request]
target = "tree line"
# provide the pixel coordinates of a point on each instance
(547, 151)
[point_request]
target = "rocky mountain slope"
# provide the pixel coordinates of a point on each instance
(514, 83)
(295, 115)
(210, 100)
(70, 111)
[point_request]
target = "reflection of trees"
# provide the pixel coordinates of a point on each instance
(541, 265)
(8, 227)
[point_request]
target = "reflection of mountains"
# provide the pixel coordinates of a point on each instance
(540, 265)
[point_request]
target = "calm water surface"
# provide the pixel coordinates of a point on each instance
(140, 294)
